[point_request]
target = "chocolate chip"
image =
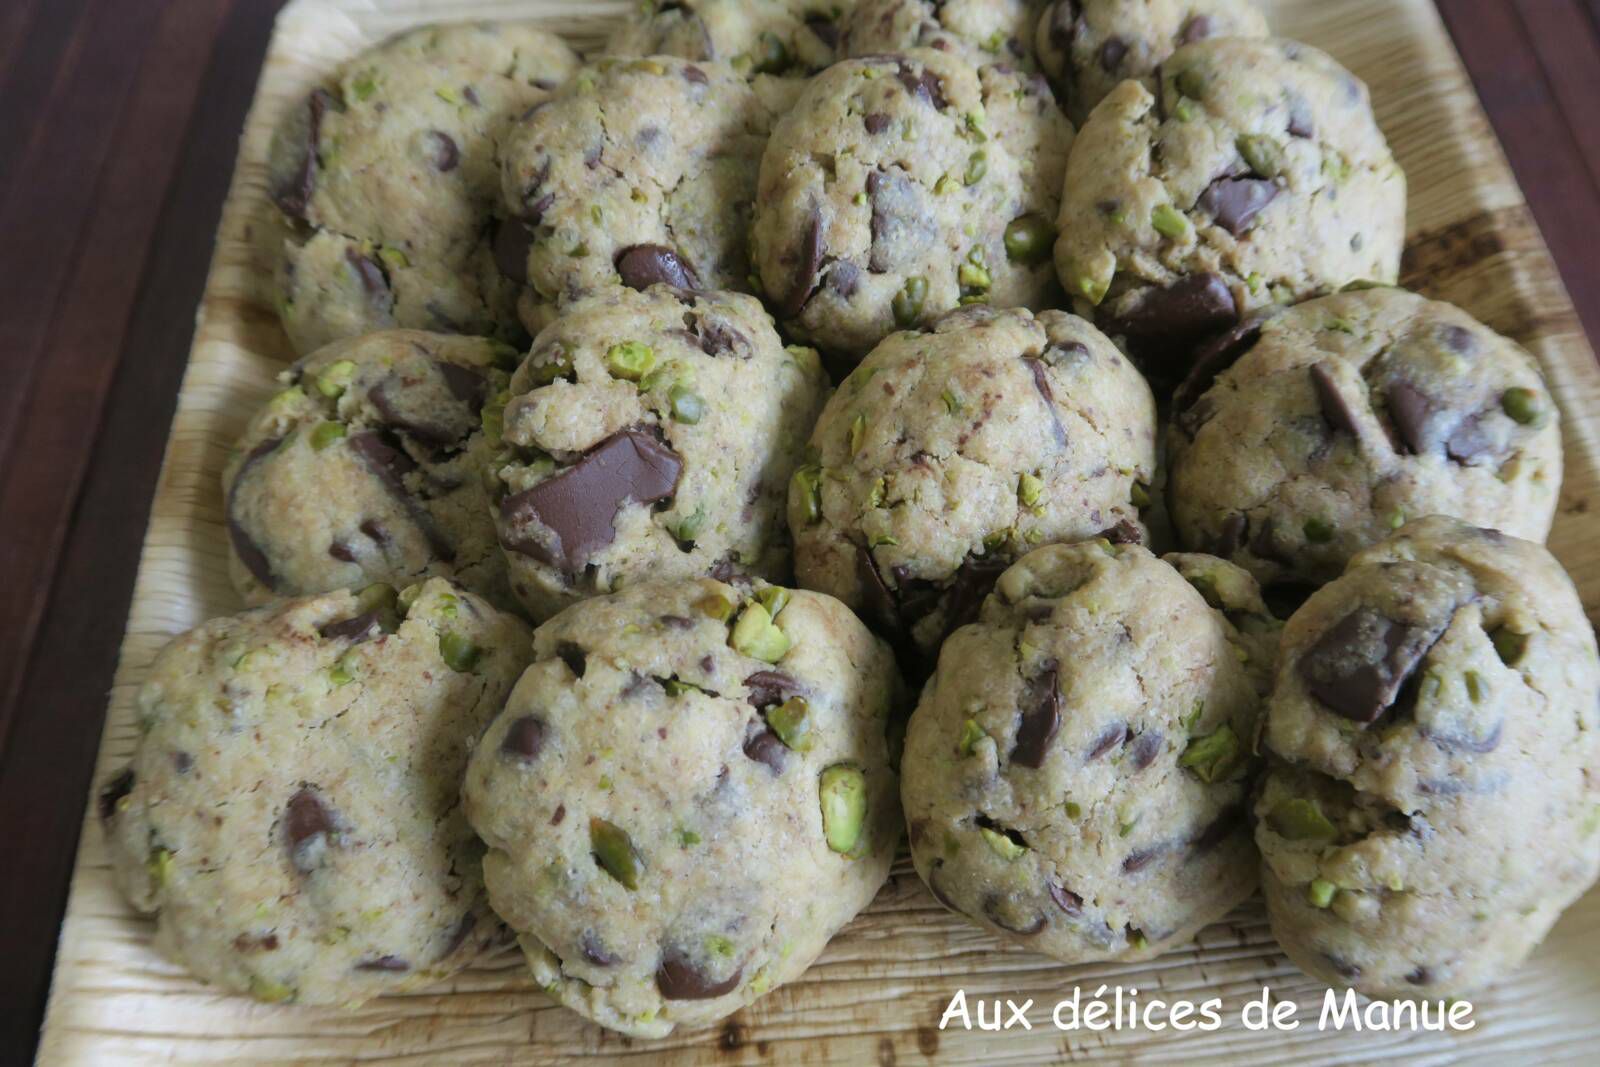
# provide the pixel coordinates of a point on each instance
(442, 151)
(374, 530)
(1145, 748)
(1126, 532)
(250, 553)
(875, 122)
(1301, 124)
(559, 814)
(694, 75)
(1139, 860)
(1162, 324)
(1210, 360)
(1265, 543)
(1335, 410)
(716, 335)
(1468, 441)
(679, 978)
(306, 822)
(1041, 383)
(1457, 338)
(512, 241)
(525, 738)
(900, 226)
(294, 195)
(1198, 28)
(767, 688)
(1065, 899)
(642, 266)
(1111, 54)
(390, 464)
(1413, 416)
(1111, 737)
(763, 746)
(844, 278)
(594, 950)
(355, 628)
(387, 397)
(182, 762)
(807, 260)
(973, 581)
(1235, 202)
(368, 273)
(1420, 976)
(1453, 742)
(1343, 967)
(341, 551)
(1232, 534)
(117, 788)
(578, 506)
(1357, 667)
(825, 29)
(465, 384)
(879, 602)
(1038, 718)
(924, 85)
(392, 964)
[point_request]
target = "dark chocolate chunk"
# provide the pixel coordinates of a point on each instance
(1209, 361)
(763, 746)
(694, 75)
(367, 272)
(1265, 544)
(1335, 410)
(1413, 416)
(118, 787)
(573, 655)
(525, 738)
(182, 762)
(442, 151)
(1111, 737)
(1301, 124)
(1041, 383)
(395, 413)
(879, 603)
(1341, 966)
(355, 628)
(825, 29)
(390, 463)
(1457, 338)
(924, 85)
(642, 266)
(578, 507)
(1468, 441)
(512, 240)
(1163, 324)
(594, 950)
(342, 552)
(807, 260)
(1357, 667)
(1235, 202)
(1064, 24)
(679, 978)
(875, 122)
(1454, 742)
(1038, 719)
(1112, 53)
(250, 553)
(1065, 899)
(294, 194)
(901, 226)
(1232, 534)
(973, 581)
(1142, 858)
(1420, 976)
(305, 819)
(392, 964)
(1145, 748)
(767, 688)
(716, 335)
(1125, 532)
(465, 384)
(844, 278)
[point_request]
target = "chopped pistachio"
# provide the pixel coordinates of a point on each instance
(1137, 939)
(907, 303)
(336, 377)
(771, 54)
(1139, 495)
(325, 434)
(1319, 894)
(687, 407)
(1073, 810)
(774, 598)
(688, 527)
(1030, 490)
(714, 605)
(1190, 83)
(952, 402)
(364, 84)
(791, 721)
(1169, 222)
(1260, 153)
(975, 125)
(977, 167)
(880, 489)
(757, 636)
(1028, 239)
(842, 792)
(1299, 819)
(971, 734)
(159, 867)
(1523, 405)
(1213, 757)
(268, 991)
(393, 258)
(613, 851)
(687, 838)
(342, 673)
(1397, 520)
(459, 652)
(447, 94)
(676, 687)
(630, 360)
(974, 276)
(1318, 531)
(1183, 110)
(945, 185)
(807, 481)
(717, 945)
(1474, 684)
(1002, 844)
(858, 432)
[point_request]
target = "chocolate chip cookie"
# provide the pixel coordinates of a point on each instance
(651, 434)
(899, 187)
(688, 794)
(1089, 47)
(1076, 773)
(775, 44)
(387, 176)
(290, 816)
(979, 31)
(950, 452)
(1251, 172)
(371, 466)
(1343, 417)
(1436, 796)
(637, 171)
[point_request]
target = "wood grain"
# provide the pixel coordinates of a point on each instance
(877, 992)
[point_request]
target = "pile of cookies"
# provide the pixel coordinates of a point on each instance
(1216, 556)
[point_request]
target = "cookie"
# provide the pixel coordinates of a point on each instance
(901, 186)
(290, 816)
(979, 31)
(1089, 47)
(638, 171)
(387, 176)
(1343, 417)
(950, 452)
(1077, 771)
(651, 435)
(688, 794)
(1254, 173)
(1436, 791)
(370, 467)
(775, 44)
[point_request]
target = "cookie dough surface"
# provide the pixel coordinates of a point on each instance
(637, 171)
(651, 435)
(1089, 47)
(950, 452)
(979, 31)
(1253, 173)
(290, 815)
(688, 794)
(370, 467)
(1076, 773)
(901, 186)
(1341, 418)
(1435, 801)
(387, 176)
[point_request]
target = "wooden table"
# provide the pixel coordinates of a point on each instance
(118, 128)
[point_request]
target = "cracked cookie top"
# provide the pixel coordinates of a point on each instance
(1301, 439)
(637, 171)
(901, 186)
(1436, 793)
(949, 452)
(1250, 172)
(1077, 771)
(387, 176)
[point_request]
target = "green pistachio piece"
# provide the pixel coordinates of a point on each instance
(1474, 683)
(393, 258)
(1028, 239)
(613, 851)
(342, 672)
(687, 838)
(1262, 154)
(688, 527)
(459, 653)
(1318, 531)
(907, 303)
(974, 276)
(975, 126)
(1139, 495)
(791, 721)
(717, 945)
(771, 56)
(676, 687)
(1523, 405)
(996, 539)
(336, 377)
(1319, 894)
(1169, 221)
(364, 84)
(715, 606)
(1030, 490)
(268, 991)
(378, 597)
(977, 167)
(1299, 819)
(1074, 811)
(159, 867)
(757, 636)
(952, 402)
(542, 374)
(325, 434)
(447, 94)
(858, 432)
(971, 734)
(945, 185)
(1002, 845)
(880, 489)
(687, 407)
(631, 360)
(1190, 83)
(1183, 110)
(1213, 757)
(843, 794)
(774, 598)
(1509, 645)
(1137, 939)
(808, 481)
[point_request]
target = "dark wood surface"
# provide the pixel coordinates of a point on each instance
(119, 122)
